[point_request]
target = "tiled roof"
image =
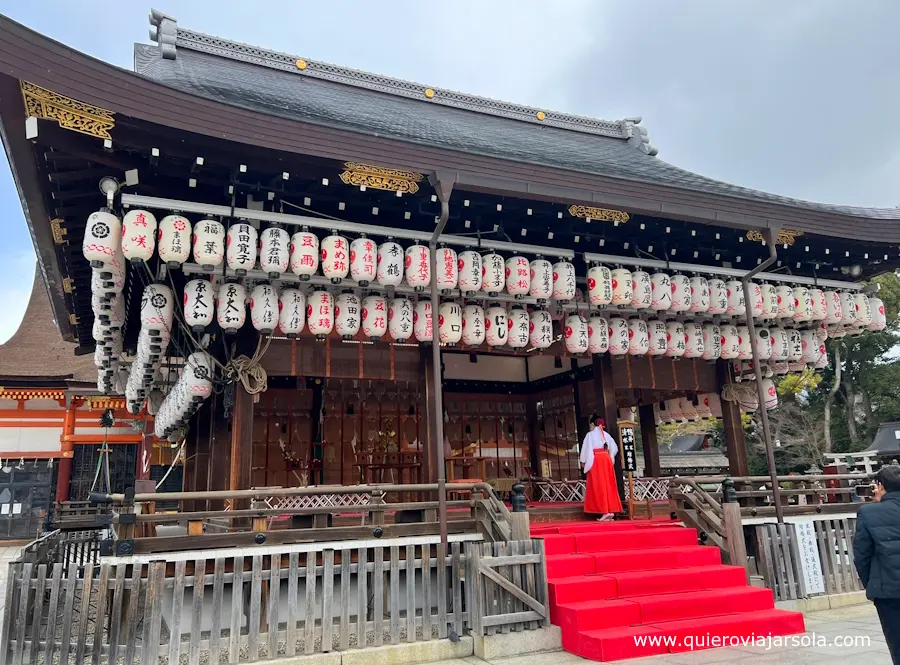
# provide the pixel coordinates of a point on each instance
(37, 350)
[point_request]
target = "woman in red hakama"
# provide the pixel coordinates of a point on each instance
(597, 454)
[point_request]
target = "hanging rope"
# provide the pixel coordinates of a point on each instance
(743, 393)
(249, 371)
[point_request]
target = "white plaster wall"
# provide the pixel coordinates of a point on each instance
(540, 367)
(488, 368)
(19, 440)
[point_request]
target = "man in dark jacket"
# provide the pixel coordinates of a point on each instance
(876, 550)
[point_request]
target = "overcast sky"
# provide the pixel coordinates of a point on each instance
(800, 98)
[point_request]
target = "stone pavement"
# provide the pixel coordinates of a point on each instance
(859, 622)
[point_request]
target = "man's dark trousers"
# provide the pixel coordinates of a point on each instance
(889, 613)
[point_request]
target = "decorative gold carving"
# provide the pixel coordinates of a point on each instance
(73, 319)
(378, 177)
(599, 214)
(541, 116)
(785, 236)
(93, 402)
(67, 284)
(23, 394)
(59, 233)
(429, 93)
(301, 64)
(67, 112)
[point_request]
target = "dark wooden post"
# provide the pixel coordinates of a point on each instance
(648, 440)
(608, 409)
(734, 429)
(241, 443)
(429, 463)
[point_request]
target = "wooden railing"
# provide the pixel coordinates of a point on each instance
(282, 602)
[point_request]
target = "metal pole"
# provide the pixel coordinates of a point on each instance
(443, 189)
(771, 236)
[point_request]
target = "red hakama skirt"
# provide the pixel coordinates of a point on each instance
(602, 494)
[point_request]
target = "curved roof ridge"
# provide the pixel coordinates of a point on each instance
(165, 32)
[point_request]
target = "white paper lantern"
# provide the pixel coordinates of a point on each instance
(540, 329)
(770, 301)
(689, 409)
(242, 244)
(693, 340)
(450, 322)
(374, 316)
(599, 282)
(519, 325)
(781, 344)
(209, 244)
(745, 343)
(662, 291)
(423, 320)
(787, 305)
(418, 267)
(848, 309)
(108, 280)
(320, 313)
(334, 254)
(391, 260)
(400, 319)
(473, 324)
(275, 251)
(834, 311)
(292, 312)
(735, 292)
(673, 410)
(763, 343)
(819, 309)
(757, 302)
(102, 238)
(157, 307)
(863, 310)
(518, 276)
(718, 297)
(658, 335)
(822, 360)
(674, 339)
(618, 336)
(231, 307)
(598, 334)
(638, 337)
(496, 325)
(576, 334)
(348, 315)
(703, 410)
(643, 290)
(173, 241)
(699, 294)
(199, 304)
(448, 270)
(469, 272)
(197, 375)
(795, 349)
(714, 402)
(822, 331)
(809, 344)
(802, 304)
(731, 342)
(541, 273)
(712, 342)
(681, 293)
(879, 317)
(493, 273)
(770, 393)
(103, 331)
(564, 282)
(138, 235)
(622, 287)
(363, 260)
(264, 308)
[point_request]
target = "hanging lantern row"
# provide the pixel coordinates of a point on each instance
(157, 319)
(194, 385)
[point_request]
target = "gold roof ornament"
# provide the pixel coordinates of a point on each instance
(58, 230)
(785, 236)
(379, 177)
(68, 113)
(599, 214)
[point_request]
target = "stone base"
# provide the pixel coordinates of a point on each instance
(410, 653)
(822, 603)
(518, 644)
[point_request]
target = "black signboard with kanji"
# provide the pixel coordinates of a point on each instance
(629, 456)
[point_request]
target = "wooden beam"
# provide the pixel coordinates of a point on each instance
(648, 440)
(241, 443)
(608, 409)
(734, 429)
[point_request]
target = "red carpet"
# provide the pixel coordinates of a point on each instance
(632, 589)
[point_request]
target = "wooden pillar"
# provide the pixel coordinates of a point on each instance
(241, 443)
(429, 463)
(581, 419)
(608, 409)
(64, 473)
(648, 440)
(734, 429)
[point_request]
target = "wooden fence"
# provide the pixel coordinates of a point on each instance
(796, 566)
(267, 603)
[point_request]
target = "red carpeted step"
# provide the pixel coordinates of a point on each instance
(544, 531)
(656, 559)
(557, 544)
(706, 603)
(597, 527)
(578, 589)
(596, 614)
(635, 539)
(569, 565)
(652, 582)
(729, 630)
(617, 643)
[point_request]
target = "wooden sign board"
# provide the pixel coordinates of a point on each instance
(627, 441)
